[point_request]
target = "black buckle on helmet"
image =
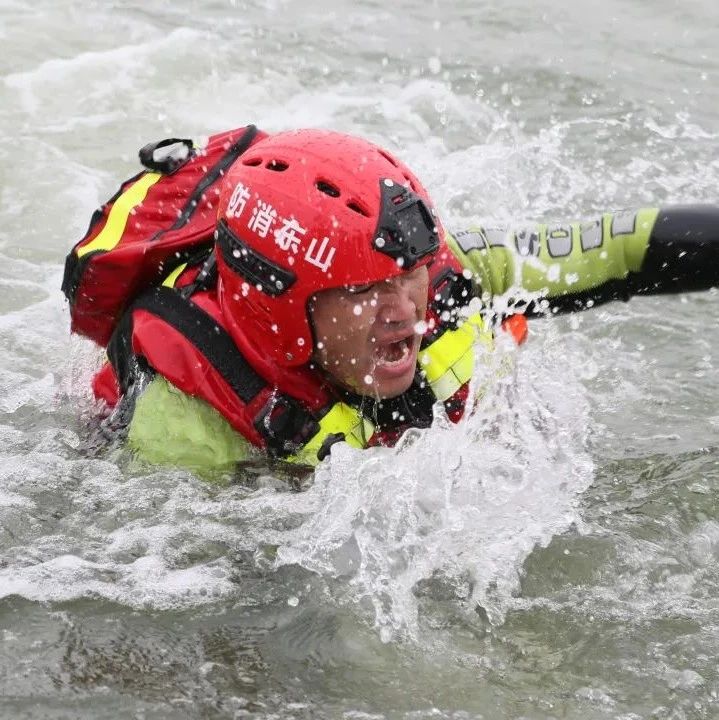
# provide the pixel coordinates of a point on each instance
(406, 231)
(285, 425)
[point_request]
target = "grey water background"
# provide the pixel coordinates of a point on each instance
(555, 556)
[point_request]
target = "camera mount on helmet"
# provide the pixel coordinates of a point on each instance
(406, 230)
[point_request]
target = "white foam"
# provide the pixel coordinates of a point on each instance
(47, 566)
(467, 500)
(78, 67)
(16, 391)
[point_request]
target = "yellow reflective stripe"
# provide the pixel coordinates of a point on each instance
(448, 363)
(341, 418)
(171, 279)
(110, 235)
(452, 379)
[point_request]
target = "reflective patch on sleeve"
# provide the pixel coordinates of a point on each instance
(527, 243)
(591, 235)
(448, 362)
(496, 237)
(624, 223)
(469, 240)
(559, 241)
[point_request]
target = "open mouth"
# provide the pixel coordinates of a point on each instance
(393, 354)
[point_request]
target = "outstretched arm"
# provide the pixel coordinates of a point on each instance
(577, 265)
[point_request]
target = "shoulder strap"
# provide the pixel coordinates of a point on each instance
(200, 329)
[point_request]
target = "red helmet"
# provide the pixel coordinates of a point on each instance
(305, 211)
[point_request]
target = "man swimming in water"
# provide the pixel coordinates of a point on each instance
(335, 307)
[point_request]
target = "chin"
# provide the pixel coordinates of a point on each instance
(392, 388)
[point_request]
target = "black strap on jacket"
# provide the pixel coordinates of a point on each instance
(200, 329)
(283, 423)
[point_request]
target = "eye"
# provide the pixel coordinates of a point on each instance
(359, 289)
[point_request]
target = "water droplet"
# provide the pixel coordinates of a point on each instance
(300, 341)
(357, 309)
(388, 182)
(379, 242)
(293, 601)
(368, 379)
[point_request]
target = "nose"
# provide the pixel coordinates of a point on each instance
(397, 306)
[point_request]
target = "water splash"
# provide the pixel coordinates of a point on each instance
(461, 504)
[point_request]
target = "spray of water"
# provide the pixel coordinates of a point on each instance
(453, 510)
(457, 505)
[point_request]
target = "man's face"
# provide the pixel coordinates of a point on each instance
(367, 337)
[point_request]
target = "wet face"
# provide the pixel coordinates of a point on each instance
(367, 337)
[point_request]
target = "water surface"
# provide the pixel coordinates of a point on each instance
(553, 557)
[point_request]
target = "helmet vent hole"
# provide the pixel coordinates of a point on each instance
(277, 165)
(327, 188)
(387, 156)
(252, 162)
(354, 205)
